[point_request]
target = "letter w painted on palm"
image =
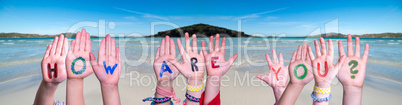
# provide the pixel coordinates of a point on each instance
(108, 68)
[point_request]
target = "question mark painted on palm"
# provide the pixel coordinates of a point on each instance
(354, 64)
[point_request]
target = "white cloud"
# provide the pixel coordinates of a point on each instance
(131, 18)
(145, 15)
(271, 18)
(256, 15)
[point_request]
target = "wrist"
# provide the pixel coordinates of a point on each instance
(49, 86)
(353, 89)
(195, 82)
(214, 81)
(109, 86)
(323, 85)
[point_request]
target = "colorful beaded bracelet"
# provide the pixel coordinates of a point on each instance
(315, 99)
(322, 90)
(192, 98)
(157, 100)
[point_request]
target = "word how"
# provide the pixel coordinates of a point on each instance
(193, 65)
(305, 71)
(108, 68)
(354, 64)
(54, 70)
(84, 65)
(326, 69)
(165, 68)
(213, 61)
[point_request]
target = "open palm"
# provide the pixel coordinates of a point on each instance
(353, 70)
(302, 75)
(216, 64)
(166, 51)
(55, 56)
(278, 74)
(109, 54)
(190, 56)
(78, 65)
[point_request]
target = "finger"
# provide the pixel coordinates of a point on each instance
(108, 49)
(350, 45)
(299, 53)
(223, 45)
(195, 49)
(47, 51)
(162, 48)
(60, 45)
(210, 47)
(304, 51)
(72, 47)
(231, 61)
(118, 59)
(167, 45)
(323, 47)
(317, 49)
(274, 57)
(181, 49)
(175, 64)
(172, 47)
(157, 53)
(102, 51)
(203, 48)
(113, 48)
(366, 52)
(310, 53)
(92, 59)
(330, 48)
(88, 43)
(268, 59)
(54, 46)
(217, 43)
(280, 59)
(293, 57)
(187, 42)
(357, 47)
(65, 47)
(340, 48)
(77, 41)
(83, 40)
(261, 77)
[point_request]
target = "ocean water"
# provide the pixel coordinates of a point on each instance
(21, 58)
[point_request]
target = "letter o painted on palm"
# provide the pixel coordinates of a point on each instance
(305, 71)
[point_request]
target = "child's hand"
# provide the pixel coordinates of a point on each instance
(300, 67)
(192, 66)
(109, 54)
(353, 70)
(323, 67)
(78, 65)
(278, 74)
(166, 51)
(55, 57)
(215, 60)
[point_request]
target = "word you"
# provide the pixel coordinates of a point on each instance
(276, 72)
(108, 68)
(193, 65)
(164, 68)
(354, 64)
(305, 71)
(326, 69)
(84, 65)
(54, 70)
(213, 61)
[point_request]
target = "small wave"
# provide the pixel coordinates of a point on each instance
(8, 43)
(19, 78)
(393, 43)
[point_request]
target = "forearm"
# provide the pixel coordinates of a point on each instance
(352, 95)
(196, 94)
(74, 93)
(212, 88)
(45, 94)
(278, 91)
(110, 94)
(290, 94)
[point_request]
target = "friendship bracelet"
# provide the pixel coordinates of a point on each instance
(322, 90)
(196, 88)
(192, 98)
(166, 93)
(157, 100)
(315, 99)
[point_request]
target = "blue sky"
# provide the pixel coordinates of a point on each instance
(260, 18)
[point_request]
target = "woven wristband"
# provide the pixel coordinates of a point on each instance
(322, 90)
(195, 88)
(192, 98)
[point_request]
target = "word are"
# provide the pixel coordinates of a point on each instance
(354, 64)
(193, 65)
(164, 68)
(213, 61)
(108, 68)
(326, 69)
(84, 65)
(276, 72)
(54, 70)
(305, 71)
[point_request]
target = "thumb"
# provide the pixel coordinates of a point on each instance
(175, 63)
(232, 59)
(340, 62)
(92, 59)
(263, 78)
